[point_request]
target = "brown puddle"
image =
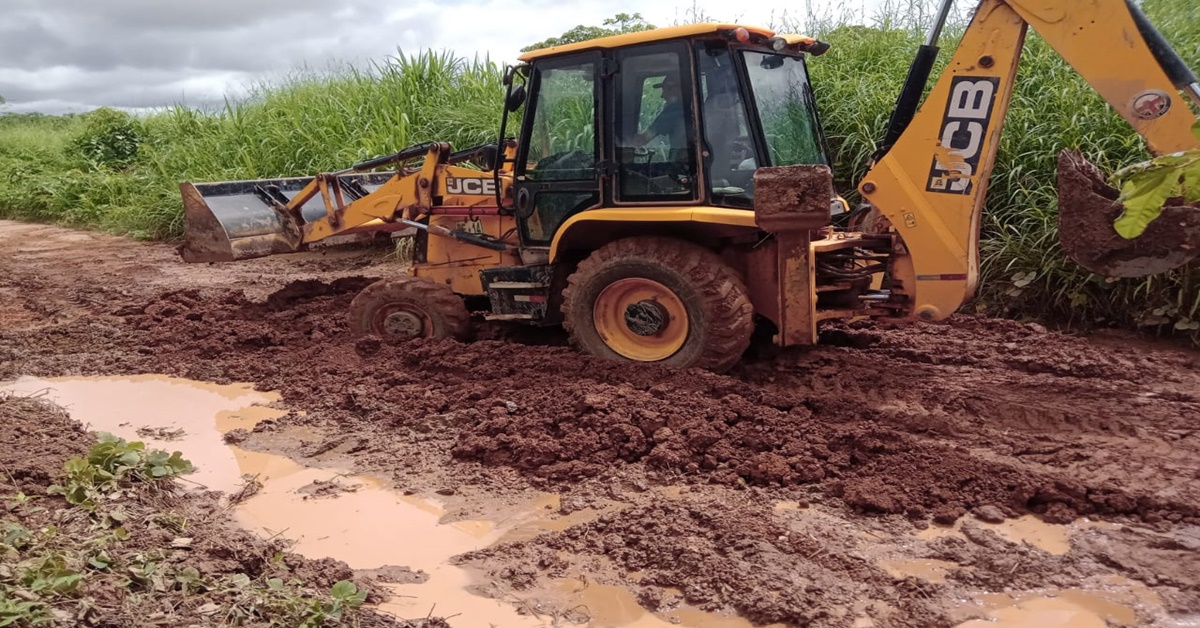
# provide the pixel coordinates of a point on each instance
(1071, 608)
(335, 513)
(928, 569)
(163, 412)
(1054, 539)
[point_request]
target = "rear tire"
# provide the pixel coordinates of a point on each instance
(655, 299)
(403, 308)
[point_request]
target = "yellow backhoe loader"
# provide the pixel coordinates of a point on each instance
(668, 191)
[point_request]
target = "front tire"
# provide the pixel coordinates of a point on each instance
(403, 308)
(655, 299)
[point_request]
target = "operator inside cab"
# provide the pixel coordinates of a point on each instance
(669, 123)
(658, 161)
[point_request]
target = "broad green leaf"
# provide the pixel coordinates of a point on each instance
(179, 464)
(187, 575)
(1196, 129)
(1143, 196)
(343, 590)
(66, 583)
(1191, 182)
(75, 465)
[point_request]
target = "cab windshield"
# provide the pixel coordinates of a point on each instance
(786, 108)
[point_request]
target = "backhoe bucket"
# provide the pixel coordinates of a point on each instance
(237, 220)
(1087, 208)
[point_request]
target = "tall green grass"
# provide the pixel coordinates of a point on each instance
(52, 170)
(306, 122)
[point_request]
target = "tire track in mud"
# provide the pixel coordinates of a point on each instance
(851, 420)
(918, 423)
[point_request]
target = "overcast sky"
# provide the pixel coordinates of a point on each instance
(75, 55)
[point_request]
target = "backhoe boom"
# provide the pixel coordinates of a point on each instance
(932, 182)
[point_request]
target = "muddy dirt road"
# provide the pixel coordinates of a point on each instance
(976, 470)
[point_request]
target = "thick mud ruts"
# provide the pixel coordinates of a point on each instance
(876, 438)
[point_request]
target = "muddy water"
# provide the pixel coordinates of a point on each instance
(358, 520)
(163, 412)
(334, 513)
(1054, 539)
(1066, 609)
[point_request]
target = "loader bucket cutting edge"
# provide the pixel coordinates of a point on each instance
(231, 220)
(1087, 208)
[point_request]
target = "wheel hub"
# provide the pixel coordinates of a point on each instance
(403, 325)
(646, 318)
(640, 319)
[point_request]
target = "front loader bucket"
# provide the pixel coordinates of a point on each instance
(1087, 208)
(237, 220)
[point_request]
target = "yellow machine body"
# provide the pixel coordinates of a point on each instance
(913, 255)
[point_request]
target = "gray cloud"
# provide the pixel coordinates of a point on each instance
(75, 55)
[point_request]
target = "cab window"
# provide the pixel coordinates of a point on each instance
(655, 124)
(558, 170)
(731, 158)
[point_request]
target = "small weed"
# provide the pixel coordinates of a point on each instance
(112, 465)
(289, 605)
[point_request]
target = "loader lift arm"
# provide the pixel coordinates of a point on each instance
(931, 182)
(245, 219)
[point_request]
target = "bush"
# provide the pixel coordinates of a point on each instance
(109, 139)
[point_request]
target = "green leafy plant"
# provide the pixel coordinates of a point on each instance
(109, 138)
(113, 464)
(288, 605)
(26, 612)
(1145, 187)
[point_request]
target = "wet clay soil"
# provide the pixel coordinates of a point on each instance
(39, 437)
(887, 477)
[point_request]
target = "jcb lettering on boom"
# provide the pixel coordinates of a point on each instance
(964, 127)
(459, 185)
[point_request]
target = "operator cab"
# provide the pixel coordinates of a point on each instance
(673, 117)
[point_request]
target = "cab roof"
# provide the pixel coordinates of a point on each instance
(644, 37)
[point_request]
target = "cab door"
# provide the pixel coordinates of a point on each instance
(654, 126)
(558, 163)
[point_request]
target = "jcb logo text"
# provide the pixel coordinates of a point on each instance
(470, 186)
(964, 128)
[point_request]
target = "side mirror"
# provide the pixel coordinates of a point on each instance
(515, 99)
